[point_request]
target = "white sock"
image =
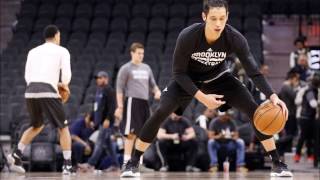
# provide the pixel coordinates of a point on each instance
(21, 146)
(67, 154)
(141, 160)
(126, 158)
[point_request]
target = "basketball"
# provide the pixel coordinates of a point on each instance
(269, 119)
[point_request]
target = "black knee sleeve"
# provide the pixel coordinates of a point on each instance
(259, 135)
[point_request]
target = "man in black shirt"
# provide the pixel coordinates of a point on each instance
(223, 133)
(176, 134)
(200, 70)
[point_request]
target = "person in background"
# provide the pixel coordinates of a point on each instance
(134, 82)
(103, 118)
(302, 67)
(105, 101)
(205, 118)
(81, 130)
(176, 134)
(288, 94)
(301, 49)
(307, 110)
(223, 133)
(45, 64)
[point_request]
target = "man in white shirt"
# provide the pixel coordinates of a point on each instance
(42, 73)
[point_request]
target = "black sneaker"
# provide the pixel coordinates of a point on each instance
(15, 161)
(67, 168)
(130, 170)
(280, 169)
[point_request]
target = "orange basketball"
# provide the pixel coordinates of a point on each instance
(269, 119)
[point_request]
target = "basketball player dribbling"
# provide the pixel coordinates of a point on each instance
(42, 73)
(200, 71)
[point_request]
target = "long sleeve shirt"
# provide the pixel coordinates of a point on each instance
(196, 60)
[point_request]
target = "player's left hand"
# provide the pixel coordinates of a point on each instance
(64, 92)
(275, 100)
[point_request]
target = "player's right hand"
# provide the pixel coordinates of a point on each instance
(118, 113)
(213, 101)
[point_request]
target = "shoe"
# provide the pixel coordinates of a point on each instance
(164, 169)
(242, 169)
(67, 168)
(130, 170)
(86, 167)
(311, 158)
(143, 168)
(15, 161)
(213, 169)
(297, 158)
(192, 169)
(280, 169)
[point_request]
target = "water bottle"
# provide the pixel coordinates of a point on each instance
(226, 165)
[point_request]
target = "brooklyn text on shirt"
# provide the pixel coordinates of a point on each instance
(140, 74)
(209, 57)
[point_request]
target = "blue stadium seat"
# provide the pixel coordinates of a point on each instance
(84, 10)
(102, 10)
(178, 10)
(195, 10)
(141, 10)
(138, 25)
(157, 24)
(100, 25)
(176, 24)
(160, 10)
(81, 25)
(119, 24)
(65, 10)
(47, 10)
(121, 10)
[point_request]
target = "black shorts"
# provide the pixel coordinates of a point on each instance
(135, 114)
(51, 107)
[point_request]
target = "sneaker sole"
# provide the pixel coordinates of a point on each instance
(68, 173)
(13, 167)
(282, 174)
(128, 174)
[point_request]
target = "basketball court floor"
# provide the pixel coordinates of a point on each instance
(256, 175)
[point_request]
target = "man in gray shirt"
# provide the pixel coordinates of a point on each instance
(133, 83)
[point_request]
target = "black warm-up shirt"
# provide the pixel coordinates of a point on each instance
(194, 60)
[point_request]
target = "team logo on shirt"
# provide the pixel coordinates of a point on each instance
(210, 57)
(140, 74)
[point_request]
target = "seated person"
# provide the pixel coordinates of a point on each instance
(205, 118)
(80, 131)
(105, 146)
(223, 133)
(177, 135)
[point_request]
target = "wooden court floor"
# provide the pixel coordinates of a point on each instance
(256, 175)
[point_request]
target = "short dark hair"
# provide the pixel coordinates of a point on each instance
(135, 46)
(293, 73)
(299, 40)
(207, 4)
(50, 31)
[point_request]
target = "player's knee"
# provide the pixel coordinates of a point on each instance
(261, 136)
(240, 143)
